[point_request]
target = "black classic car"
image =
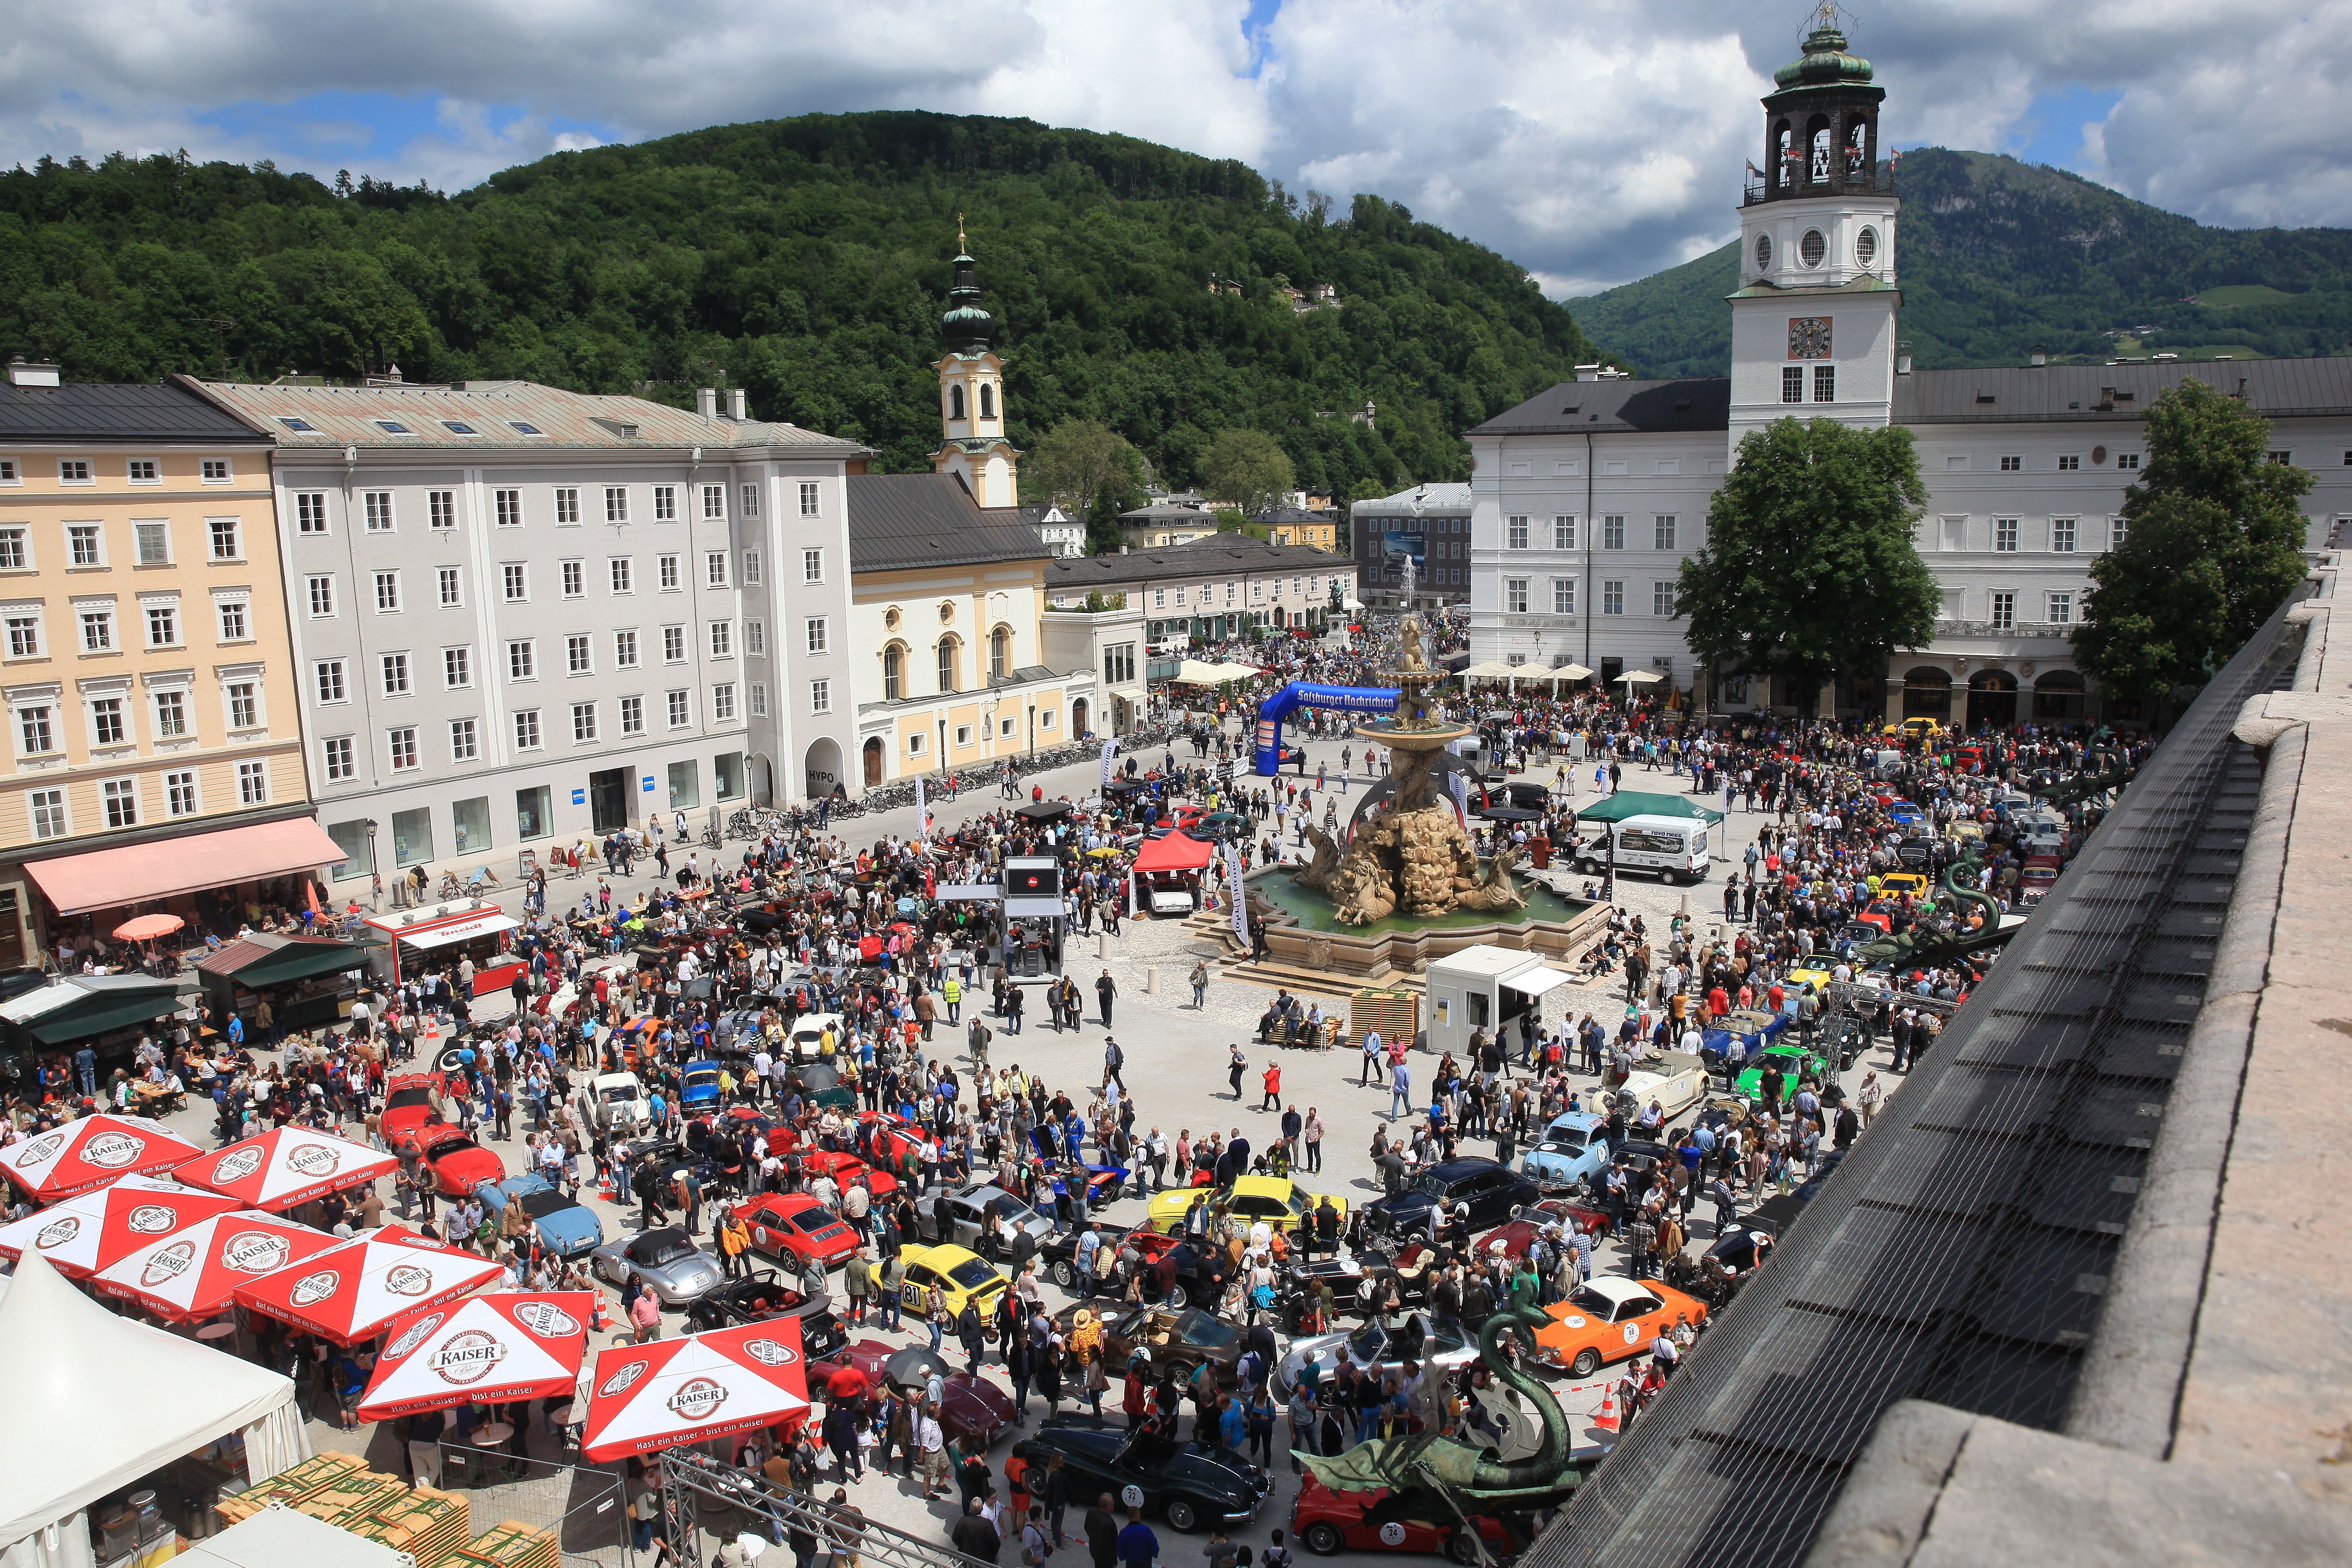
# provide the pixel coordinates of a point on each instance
(1189, 1485)
(1492, 1192)
(762, 1298)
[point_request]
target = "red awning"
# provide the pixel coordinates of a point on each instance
(109, 879)
(1176, 852)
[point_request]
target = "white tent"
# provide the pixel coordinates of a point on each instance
(1194, 672)
(96, 1401)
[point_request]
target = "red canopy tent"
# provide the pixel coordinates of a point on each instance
(90, 1152)
(1175, 852)
(659, 1396)
(349, 1293)
(521, 1344)
(91, 1231)
(286, 1166)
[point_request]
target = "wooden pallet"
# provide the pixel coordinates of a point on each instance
(439, 1524)
(1392, 1010)
(512, 1545)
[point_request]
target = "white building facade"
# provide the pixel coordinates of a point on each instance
(1586, 499)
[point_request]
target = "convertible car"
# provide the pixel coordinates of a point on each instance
(1185, 1483)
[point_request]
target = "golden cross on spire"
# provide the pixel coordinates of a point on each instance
(959, 243)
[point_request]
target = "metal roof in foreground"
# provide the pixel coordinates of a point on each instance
(1961, 1253)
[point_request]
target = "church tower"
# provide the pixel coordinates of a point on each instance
(1813, 326)
(971, 395)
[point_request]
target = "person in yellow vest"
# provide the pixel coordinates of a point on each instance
(734, 1243)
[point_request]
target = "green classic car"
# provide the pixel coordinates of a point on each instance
(1795, 1062)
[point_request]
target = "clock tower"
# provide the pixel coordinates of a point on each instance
(1813, 325)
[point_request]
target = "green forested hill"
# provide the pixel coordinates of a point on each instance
(806, 259)
(1996, 257)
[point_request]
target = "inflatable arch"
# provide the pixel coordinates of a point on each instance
(1304, 694)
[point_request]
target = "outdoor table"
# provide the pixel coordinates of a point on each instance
(218, 1331)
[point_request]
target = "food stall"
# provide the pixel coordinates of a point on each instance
(438, 935)
(311, 980)
(107, 1013)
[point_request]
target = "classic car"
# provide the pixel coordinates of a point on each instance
(665, 1257)
(1794, 1061)
(1608, 1318)
(412, 1103)
(1416, 1337)
(566, 1227)
(1513, 1239)
(795, 1226)
(960, 1214)
(1567, 1150)
(957, 1274)
(969, 1405)
(699, 1086)
(762, 1298)
(843, 1169)
(1145, 1247)
(1493, 1192)
(1413, 1519)
(1185, 1483)
(459, 1165)
(1675, 1080)
(1173, 1339)
(808, 1033)
(616, 1102)
(1273, 1200)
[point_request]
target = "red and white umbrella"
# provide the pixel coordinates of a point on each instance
(287, 1165)
(85, 1234)
(349, 1292)
(524, 1344)
(655, 1396)
(90, 1152)
(191, 1276)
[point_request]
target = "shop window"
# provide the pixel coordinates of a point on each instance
(531, 814)
(685, 785)
(412, 837)
(359, 854)
(471, 823)
(728, 776)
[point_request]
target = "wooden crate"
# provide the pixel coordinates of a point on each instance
(355, 1498)
(398, 1537)
(1395, 1013)
(309, 1478)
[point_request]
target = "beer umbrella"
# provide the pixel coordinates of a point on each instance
(349, 1293)
(89, 1152)
(89, 1232)
(519, 1344)
(193, 1274)
(287, 1165)
(652, 1397)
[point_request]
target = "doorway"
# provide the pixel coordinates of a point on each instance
(608, 799)
(873, 762)
(1079, 719)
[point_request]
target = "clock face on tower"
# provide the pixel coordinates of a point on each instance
(1809, 337)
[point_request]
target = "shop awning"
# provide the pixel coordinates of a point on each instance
(274, 960)
(103, 1011)
(1543, 982)
(137, 873)
(458, 930)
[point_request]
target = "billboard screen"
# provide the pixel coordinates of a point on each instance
(1399, 541)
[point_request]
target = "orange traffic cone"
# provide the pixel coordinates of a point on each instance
(1606, 1419)
(600, 1320)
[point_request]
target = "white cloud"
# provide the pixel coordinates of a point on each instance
(1591, 144)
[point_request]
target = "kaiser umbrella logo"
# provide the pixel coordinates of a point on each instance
(467, 1358)
(312, 1288)
(236, 1166)
(621, 1381)
(41, 1148)
(257, 1252)
(768, 1352)
(57, 1232)
(414, 1337)
(153, 1219)
(112, 1150)
(407, 1279)
(313, 1160)
(698, 1399)
(168, 1263)
(546, 1320)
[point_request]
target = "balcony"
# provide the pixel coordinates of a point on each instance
(1878, 181)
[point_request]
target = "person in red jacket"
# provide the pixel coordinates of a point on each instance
(1273, 1101)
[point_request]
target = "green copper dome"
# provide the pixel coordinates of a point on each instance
(967, 324)
(1826, 63)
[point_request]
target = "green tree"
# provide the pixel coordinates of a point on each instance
(1809, 569)
(1103, 537)
(2213, 540)
(1249, 469)
(1078, 460)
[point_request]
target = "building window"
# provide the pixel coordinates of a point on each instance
(583, 723)
(2282, 458)
(24, 636)
(1563, 533)
(340, 758)
(378, 505)
(122, 800)
(452, 587)
(215, 471)
(252, 784)
(894, 670)
(722, 702)
(162, 626)
(669, 564)
(34, 734)
(322, 595)
(575, 579)
(1792, 384)
(1515, 594)
(395, 674)
(244, 705)
(2004, 611)
(1000, 652)
(2118, 530)
(330, 676)
(2011, 463)
(812, 565)
(1515, 532)
(577, 658)
(616, 503)
(750, 500)
(526, 730)
(947, 663)
(143, 471)
(1661, 600)
(755, 637)
(510, 509)
(2069, 463)
(818, 640)
(2128, 461)
(750, 568)
(2004, 534)
(633, 715)
(403, 747)
(1825, 384)
(624, 575)
(153, 540)
(15, 554)
(517, 578)
(567, 506)
(86, 544)
(673, 645)
(1665, 531)
(1613, 598)
(808, 497)
(759, 698)
(226, 544)
(681, 711)
(73, 471)
(1118, 664)
(664, 503)
(440, 509)
(522, 659)
(98, 631)
(387, 592)
(2061, 610)
(171, 715)
(714, 501)
(465, 741)
(714, 568)
(624, 650)
(2061, 535)
(722, 639)
(1563, 595)
(456, 669)
(1612, 533)
(48, 808)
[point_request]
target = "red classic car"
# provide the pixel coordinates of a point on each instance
(1514, 1239)
(412, 1103)
(1327, 1522)
(843, 1169)
(459, 1163)
(796, 1227)
(969, 1405)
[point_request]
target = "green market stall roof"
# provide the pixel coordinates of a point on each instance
(270, 959)
(1628, 803)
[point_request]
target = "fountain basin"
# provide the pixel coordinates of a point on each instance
(1302, 930)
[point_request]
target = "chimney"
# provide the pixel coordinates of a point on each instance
(23, 375)
(1587, 372)
(735, 404)
(706, 401)
(1903, 364)
(391, 374)
(2038, 357)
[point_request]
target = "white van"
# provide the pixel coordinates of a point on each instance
(1675, 848)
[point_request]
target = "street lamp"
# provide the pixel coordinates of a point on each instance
(1609, 878)
(375, 872)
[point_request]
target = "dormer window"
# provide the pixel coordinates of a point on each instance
(293, 424)
(393, 427)
(522, 428)
(458, 427)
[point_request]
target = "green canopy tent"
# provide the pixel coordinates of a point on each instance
(1628, 803)
(298, 972)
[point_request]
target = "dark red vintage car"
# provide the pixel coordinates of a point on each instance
(968, 1405)
(1327, 1522)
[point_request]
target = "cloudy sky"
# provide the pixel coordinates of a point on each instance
(1592, 142)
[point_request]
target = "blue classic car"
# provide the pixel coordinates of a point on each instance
(565, 1229)
(1754, 1030)
(1570, 1150)
(699, 1087)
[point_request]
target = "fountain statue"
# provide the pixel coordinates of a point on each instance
(1415, 855)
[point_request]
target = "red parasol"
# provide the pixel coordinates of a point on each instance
(512, 1345)
(287, 1165)
(92, 1151)
(659, 1396)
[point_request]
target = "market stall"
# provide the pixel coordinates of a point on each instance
(90, 1152)
(438, 935)
(1171, 864)
(310, 981)
(88, 1429)
(107, 1013)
